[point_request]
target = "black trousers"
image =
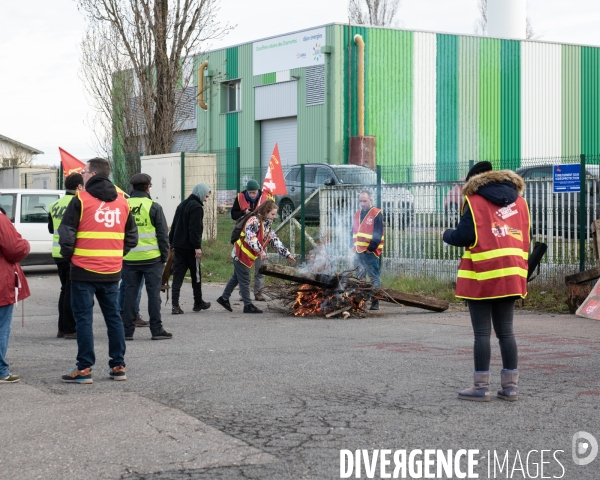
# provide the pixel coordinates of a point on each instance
(185, 259)
(499, 312)
(132, 278)
(66, 322)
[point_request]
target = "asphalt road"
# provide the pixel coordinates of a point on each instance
(271, 397)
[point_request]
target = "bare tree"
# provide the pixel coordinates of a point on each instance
(481, 23)
(373, 12)
(15, 157)
(137, 62)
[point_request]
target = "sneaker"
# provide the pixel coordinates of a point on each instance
(140, 322)
(252, 309)
(10, 378)
(78, 376)
(162, 335)
(224, 303)
(374, 305)
(201, 306)
(71, 336)
(259, 297)
(176, 310)
(60, 334)
(117, 373)
(129, 337)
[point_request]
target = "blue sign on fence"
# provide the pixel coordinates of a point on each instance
(566, 178)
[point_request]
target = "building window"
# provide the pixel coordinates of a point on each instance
(232, 93)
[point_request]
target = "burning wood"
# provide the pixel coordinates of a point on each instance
(333, 295)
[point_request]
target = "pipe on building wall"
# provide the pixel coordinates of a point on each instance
(361, 84)
(201, 69)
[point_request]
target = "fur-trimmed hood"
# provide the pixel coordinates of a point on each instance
(499, 176)
(501, 187)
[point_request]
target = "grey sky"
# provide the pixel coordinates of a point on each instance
(42, 103)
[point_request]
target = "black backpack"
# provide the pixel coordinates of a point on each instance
(239, 226)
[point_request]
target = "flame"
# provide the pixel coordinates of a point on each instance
(312, 301)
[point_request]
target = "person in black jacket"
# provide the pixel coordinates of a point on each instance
(186, 238)
(96, 225)
(66, 322)
(147, 259)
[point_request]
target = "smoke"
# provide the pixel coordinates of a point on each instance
(334, 253)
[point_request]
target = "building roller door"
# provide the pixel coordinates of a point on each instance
(283, 131)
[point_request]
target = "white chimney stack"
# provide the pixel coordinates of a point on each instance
(507, 19)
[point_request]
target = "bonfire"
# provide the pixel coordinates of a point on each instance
(307, 294)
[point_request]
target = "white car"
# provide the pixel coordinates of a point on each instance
(28, 210)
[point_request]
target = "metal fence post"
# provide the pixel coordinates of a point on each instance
(378, 171)
(182, 177)
(302, 219)
(582, 213)
(238, 164)
(379, 202)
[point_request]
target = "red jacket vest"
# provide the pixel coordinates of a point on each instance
(245, 205)
(362, 233)
(495, 266)
(243, 251)
(101, 233)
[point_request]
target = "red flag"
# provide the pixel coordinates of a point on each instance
(274, 182)
(69, 163)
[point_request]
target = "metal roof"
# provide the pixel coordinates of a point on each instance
(32, 150)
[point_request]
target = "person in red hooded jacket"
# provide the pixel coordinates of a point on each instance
(13, 249)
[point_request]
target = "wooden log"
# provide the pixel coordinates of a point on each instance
(584, 276)
(294, 275)
(418, 301)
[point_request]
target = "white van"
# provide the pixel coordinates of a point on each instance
(28, 211)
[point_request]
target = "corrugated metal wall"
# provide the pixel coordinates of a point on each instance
(433, 101)
(471, 98)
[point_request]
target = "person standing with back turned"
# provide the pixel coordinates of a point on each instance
(492, 274)
(97, 230)
(186, 238)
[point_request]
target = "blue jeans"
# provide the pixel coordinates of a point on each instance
(82, 303)
(5, 322)
(370, 264)
(121, 296)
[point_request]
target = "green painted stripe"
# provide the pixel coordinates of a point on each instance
(571, 100)
(269, 78)
(468, 101)
(510, 107)
(231, 124)
(590, 107)
(389, 78)
(447, 108)
(489, 101)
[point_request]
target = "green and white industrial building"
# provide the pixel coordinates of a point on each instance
(433, 101)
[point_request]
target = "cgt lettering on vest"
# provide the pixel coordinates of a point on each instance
(408, 464)
(107, 216)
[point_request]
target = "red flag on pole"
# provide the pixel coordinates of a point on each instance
(69, 163)
(274, 182)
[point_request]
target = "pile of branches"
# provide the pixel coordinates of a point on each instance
(349, 298)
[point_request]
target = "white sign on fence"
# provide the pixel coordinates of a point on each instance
(301, 49)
